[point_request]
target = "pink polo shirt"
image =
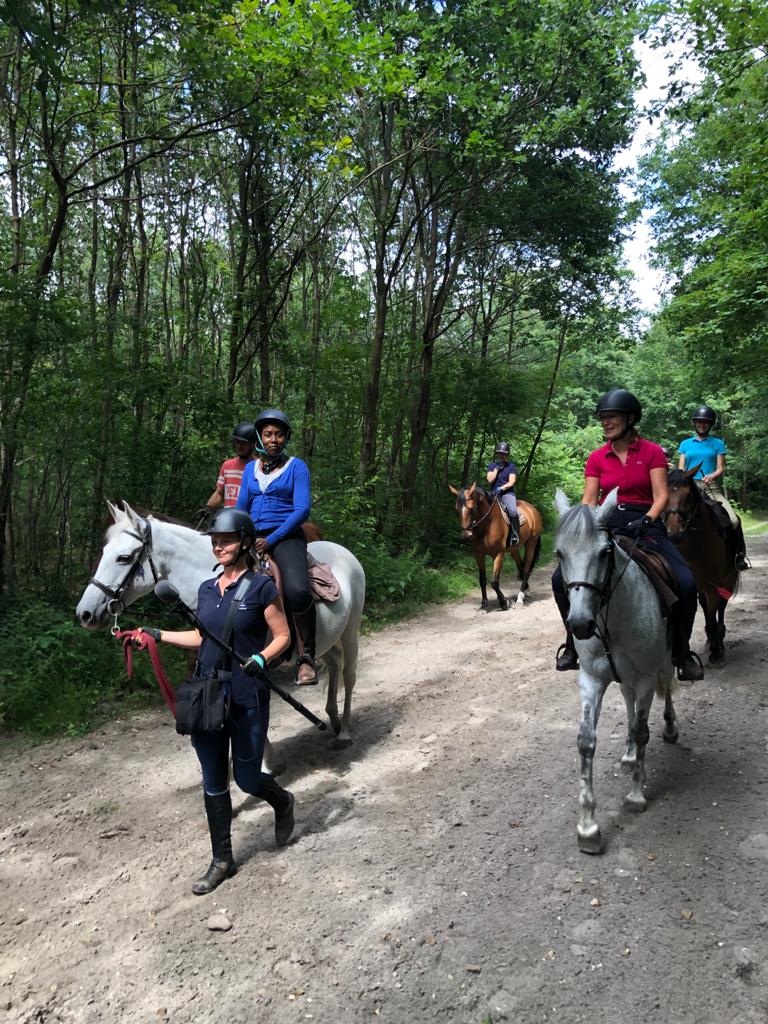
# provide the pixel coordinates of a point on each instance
(633, 478)
(230, 478)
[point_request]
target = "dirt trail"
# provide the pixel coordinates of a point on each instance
(435, 874)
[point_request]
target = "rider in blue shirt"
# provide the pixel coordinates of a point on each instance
(708, 453)
(276, 494)
(502, 475)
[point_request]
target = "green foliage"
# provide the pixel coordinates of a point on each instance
(57, 678)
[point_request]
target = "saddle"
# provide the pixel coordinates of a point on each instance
(324, 585)
(656, 568)
(520, 515)
(720, 517)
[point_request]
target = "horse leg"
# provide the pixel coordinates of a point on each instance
(498, 562)
(332, 660)
(669, 733)
(635, 799)
(349, 645)
(515, 552)
(480, 559)
(630, 754)
(711, 606)
(587, 831)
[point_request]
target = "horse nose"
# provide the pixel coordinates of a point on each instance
(466, 534)
(583, 630)
(85, 616)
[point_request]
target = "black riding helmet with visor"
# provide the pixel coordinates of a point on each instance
(278, 418)
(704, 412)
(234, 520)
(502, 448)
(622, 401)
(244, 432)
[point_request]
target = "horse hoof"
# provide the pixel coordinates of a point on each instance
(341, 743)
(634, 804)
(716, 660)
(670, 737)
(503, 605)
(591, 843)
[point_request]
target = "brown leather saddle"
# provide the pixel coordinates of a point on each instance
(656, 568)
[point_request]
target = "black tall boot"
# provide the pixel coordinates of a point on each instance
(218, 810)
(566, 658)
(514, 531)
(306, 624)
(281, 801)
(739, 548)
(688, 664)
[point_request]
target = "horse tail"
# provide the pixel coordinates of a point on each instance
(536, 553)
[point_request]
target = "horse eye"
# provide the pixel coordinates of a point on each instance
(604, 551)
(557, 554)
(124, 559)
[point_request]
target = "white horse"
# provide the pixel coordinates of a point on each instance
(620, 634)
(139, 551)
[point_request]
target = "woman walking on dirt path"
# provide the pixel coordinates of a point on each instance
(259, 611)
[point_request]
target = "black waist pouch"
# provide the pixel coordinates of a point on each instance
(202, 704)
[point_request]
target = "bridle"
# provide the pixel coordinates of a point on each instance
(116, 604)
(685, 517)
(474, 523)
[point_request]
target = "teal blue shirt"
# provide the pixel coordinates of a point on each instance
(702, 450)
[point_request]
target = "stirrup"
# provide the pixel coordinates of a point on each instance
(304, 659)
(566, 665)
(694, 672)
(218, 872)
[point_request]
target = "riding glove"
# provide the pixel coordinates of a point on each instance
(638, 527)
(255, 665)
(151, 632)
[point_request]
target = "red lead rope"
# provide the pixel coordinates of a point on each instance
(135, 638)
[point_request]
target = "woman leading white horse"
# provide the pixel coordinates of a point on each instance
(141, 550)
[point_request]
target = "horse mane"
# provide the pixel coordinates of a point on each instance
(145, 513)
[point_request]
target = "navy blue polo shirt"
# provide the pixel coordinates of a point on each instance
(249, 632)
(506, 470)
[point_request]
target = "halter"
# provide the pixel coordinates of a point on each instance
(116, 604)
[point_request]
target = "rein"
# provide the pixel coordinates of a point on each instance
(116, 604)
(476, 522)
(135, 638)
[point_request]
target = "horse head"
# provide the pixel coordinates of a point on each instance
(584, 550)
(126, 569)
(467, 505)
(683, 502)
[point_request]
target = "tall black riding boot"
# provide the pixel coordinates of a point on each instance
(514, 531)
(740, 548)
(566, 658)
(688, 664)
(281, 801)
(219, 812)
(306, 624)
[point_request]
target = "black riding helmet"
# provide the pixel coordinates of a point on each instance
(705, 412)
(244, 432)
(273, 416)
(234, 520)
(502, 448)
(620, 400)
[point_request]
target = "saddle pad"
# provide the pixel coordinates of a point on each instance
(656, 568)
(720, 517)
(325, 586)
(520, 515)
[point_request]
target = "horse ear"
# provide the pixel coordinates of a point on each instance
(114, 511)
(471, 490)
(453, 490)
(610, 503)
(692, 472)
(133, 517)
(561, 502)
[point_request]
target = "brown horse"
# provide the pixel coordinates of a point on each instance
(483, 523)
(691, 524)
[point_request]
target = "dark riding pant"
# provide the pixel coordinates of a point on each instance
(246, 732)
(655, 539)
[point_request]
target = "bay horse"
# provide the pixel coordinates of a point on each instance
(482, 522)
(691, 524)
(140, 550)
(620, 633)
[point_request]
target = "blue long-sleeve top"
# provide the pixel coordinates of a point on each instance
(278, 502)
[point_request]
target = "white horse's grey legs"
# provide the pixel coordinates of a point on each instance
(590, 840)
(332, 659)
(635, 799)
(630, 754)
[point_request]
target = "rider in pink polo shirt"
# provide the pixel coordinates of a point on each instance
(639, 469)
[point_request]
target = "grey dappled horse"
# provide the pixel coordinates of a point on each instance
(620, 634)
(140, 550)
